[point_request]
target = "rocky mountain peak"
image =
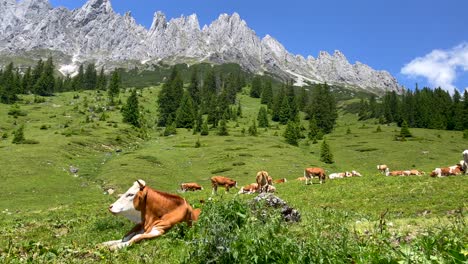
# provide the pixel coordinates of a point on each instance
(96, 33)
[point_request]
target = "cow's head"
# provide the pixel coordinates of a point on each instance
(125, 205)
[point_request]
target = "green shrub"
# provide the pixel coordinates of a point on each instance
(465, 134)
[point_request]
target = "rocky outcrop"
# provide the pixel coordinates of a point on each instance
(96, 33)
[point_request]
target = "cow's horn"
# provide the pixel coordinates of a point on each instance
(142, 185)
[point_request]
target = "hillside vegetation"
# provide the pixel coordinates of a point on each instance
(50, 214)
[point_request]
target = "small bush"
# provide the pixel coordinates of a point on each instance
(15, 111)
(465, 134)
(197, 144)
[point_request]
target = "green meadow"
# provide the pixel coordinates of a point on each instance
(50, 215)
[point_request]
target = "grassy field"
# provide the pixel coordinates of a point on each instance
(49, 214)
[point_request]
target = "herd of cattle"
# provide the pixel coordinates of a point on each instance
(155, 212)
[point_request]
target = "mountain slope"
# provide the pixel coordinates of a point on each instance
(96, 33)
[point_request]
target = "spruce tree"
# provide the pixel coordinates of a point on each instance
(114, 87)
(262, 117)
(19, 135)
(239, 109)
(101, 83)
(26, 83)
(36, 73)
(223, 130)
(185, 115)
(291, 134)
(194, 87)
(256, 87)
(78, 80)
(314, 130)
(8, 87)
(323, 106)
(267, 93)
(198, 123)
(204, 128)
(404, 131)
(325, 153)
(253, 129)
(45, 86)
(90, 77)
(131, 110)
(169, 97)
(284, 111)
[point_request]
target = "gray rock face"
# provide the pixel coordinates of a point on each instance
(96, 33)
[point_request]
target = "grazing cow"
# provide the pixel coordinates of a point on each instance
(190, 186)
(301, 179)
(280, 180)
(251, 188)
(382, 168)
(263, 180)
(158, 212)
(309, 173)
(222, 181)
(339, 175)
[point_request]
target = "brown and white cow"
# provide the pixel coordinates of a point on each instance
(222, 181)
(158, 212)
(190, 186)
(283, 180)
(447, 171)
(263, 180)
(310, 173)
(301, 179)
(251, 188)
(382, 168)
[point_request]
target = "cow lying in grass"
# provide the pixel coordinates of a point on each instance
(447, 171)
(283, 180)
(158, 212)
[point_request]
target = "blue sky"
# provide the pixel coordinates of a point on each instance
(415, 40)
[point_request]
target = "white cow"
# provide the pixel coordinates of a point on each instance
(355, 173)
(339, 175)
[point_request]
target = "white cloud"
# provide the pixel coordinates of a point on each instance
(440, 66)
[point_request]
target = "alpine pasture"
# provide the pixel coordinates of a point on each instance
(50, 214)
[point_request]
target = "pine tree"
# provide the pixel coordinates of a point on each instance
(198, 123)
(170, 128)
(262, 117)
(323, 107)
(325, 153)
(267, 93)
(90, 77)
(131, 110)
(185, 115)
(26, 85)
(253, 129)
(404, 131)
(223, 130)
(239, 109)
(45, 86)
(78, 80)
(194, 87)
(8, 87)
(204, 129)
(256, 87)
(19, 135)
(291, 134)
(101, 83)
(284, 111)
(314, 130)
(114, 87)
(37, 72)
(169, 97)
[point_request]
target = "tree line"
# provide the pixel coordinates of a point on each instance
(421, 108)
(43, 81)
